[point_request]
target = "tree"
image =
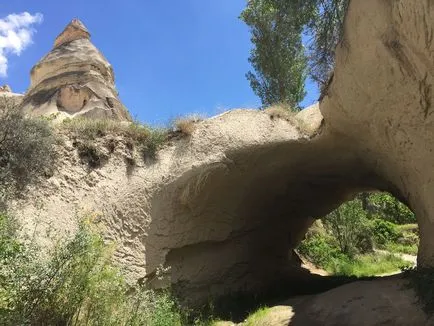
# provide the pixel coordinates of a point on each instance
(389, 208)
(325, 27)
(350, 226)
(278, 56)
(279, 59)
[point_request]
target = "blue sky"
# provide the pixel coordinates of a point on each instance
(170, 57)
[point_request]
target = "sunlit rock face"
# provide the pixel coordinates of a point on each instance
(74, 79)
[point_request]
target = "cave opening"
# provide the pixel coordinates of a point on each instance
(373, 234)
(371, 237)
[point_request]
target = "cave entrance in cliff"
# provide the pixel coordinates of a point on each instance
(372, 235)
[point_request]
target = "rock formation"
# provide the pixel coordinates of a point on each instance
(6, 92)
(223, 207)
(74, 79)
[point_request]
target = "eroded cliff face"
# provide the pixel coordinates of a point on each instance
(381, 98)
(74, 79)
(224, 207)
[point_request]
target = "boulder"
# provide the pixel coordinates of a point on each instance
(74, 79)
(384, 301)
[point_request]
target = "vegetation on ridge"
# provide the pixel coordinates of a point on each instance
(146, 139)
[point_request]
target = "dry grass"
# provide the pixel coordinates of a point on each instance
(281, 111)
(148, 140)
(187, 125)
(96, 128)
(284, 112)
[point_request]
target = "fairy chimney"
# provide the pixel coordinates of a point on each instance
(74, 79)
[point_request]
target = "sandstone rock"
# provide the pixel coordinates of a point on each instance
(74, 79)
(73, 31)
(387, 301)
(222, 208)
(381, 101)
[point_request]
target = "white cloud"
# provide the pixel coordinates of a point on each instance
(16, 33)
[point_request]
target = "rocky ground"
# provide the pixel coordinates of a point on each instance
(383, 301)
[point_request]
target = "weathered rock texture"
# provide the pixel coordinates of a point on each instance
(224, 207)
(380, 101)
(74, 79)
(384, 301)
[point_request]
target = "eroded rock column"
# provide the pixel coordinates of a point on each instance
(381, 98)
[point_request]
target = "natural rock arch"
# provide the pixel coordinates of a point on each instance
(224, 206)
(377, 134)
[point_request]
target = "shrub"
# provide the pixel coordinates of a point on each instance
(389, 208)
(26, 150)
(148, 140)
(90, 129)
(281, 111)
(187, 125)
(90, 154)
(150, 146)
(351, 228)
(321, 250)
(76, 284)
(384, 231)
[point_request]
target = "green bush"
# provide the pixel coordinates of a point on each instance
(389, 208)
(146, 139)
(26, 150)
(384, 231)
(351, 228)
(76, 284)
(320, 250)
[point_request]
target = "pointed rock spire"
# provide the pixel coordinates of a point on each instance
(74, 79)
(73, 31)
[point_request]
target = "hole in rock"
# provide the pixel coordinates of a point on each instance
(371, 236)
